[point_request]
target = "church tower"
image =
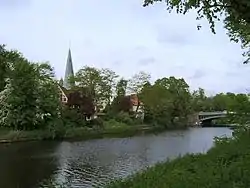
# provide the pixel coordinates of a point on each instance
(68, 72)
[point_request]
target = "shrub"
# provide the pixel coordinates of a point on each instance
(97, 123)
(112, 123)
(72, 118)
(58, 129)
(124, 117)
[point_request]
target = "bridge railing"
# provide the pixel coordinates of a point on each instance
(212, 113)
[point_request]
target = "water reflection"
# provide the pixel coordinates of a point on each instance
(24, 165)
(96, 162)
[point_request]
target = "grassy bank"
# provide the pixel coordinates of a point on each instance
(73, 133)
(227, 165)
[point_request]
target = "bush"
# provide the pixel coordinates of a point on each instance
(112, 123)
(97, 123)
(124, 117)
(72, 118)
(58, 129)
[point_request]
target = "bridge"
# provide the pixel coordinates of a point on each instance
(205, 118)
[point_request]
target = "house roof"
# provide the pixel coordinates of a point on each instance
(64, 90)
(72, 90)
(135, 100)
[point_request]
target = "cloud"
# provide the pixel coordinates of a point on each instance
(177, 38)
(117, 63)
(198, 74)
(120, 35)
(13, 4)
(146, 61)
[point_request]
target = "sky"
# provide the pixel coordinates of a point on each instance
(125, 37)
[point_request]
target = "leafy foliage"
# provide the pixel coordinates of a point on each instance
(29, 99)
(136, 83)
(100, 82)
(81, 100)
(7, 58)
(167, 102)
(125, 118)
(121, 87)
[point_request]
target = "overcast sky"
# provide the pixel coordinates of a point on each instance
(124, 36)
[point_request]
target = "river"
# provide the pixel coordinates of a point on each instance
(93, 163)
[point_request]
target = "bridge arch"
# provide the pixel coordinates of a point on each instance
(205, 118)
(208, 120)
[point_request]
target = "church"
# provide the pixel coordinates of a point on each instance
(74, 98)
(65, 87)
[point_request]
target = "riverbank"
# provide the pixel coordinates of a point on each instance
(80, 133)
(225, 165)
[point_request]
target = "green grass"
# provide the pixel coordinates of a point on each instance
(77, 133)
(19, 136)
(227, 165)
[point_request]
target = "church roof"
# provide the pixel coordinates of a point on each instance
(69, 71)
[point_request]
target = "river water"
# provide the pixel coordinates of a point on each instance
(95, 162)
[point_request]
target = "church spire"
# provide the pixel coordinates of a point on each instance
(69, 71)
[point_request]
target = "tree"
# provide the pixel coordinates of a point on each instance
(220, 102)
(90, 77)
(121, 87)
(236, 13)
(199, 100)
(181, 97)
(48, 101)
(108, 85)
(30, 98)
(136, 84)
(18, 101)
(82, 101)
(7, 58)
(157, 104)
(167, 102)
(120, 101)
(101, 83)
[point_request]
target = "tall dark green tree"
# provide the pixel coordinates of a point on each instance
(200, 101)
(121, 87)
(167, 102)
(181, 97)
(120, 102)
(157, 101)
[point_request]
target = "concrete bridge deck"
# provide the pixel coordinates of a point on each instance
(213, 113)
(207, 117)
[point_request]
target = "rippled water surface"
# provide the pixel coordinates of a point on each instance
(95, 162)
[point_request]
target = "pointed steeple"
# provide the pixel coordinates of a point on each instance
(68, 72)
